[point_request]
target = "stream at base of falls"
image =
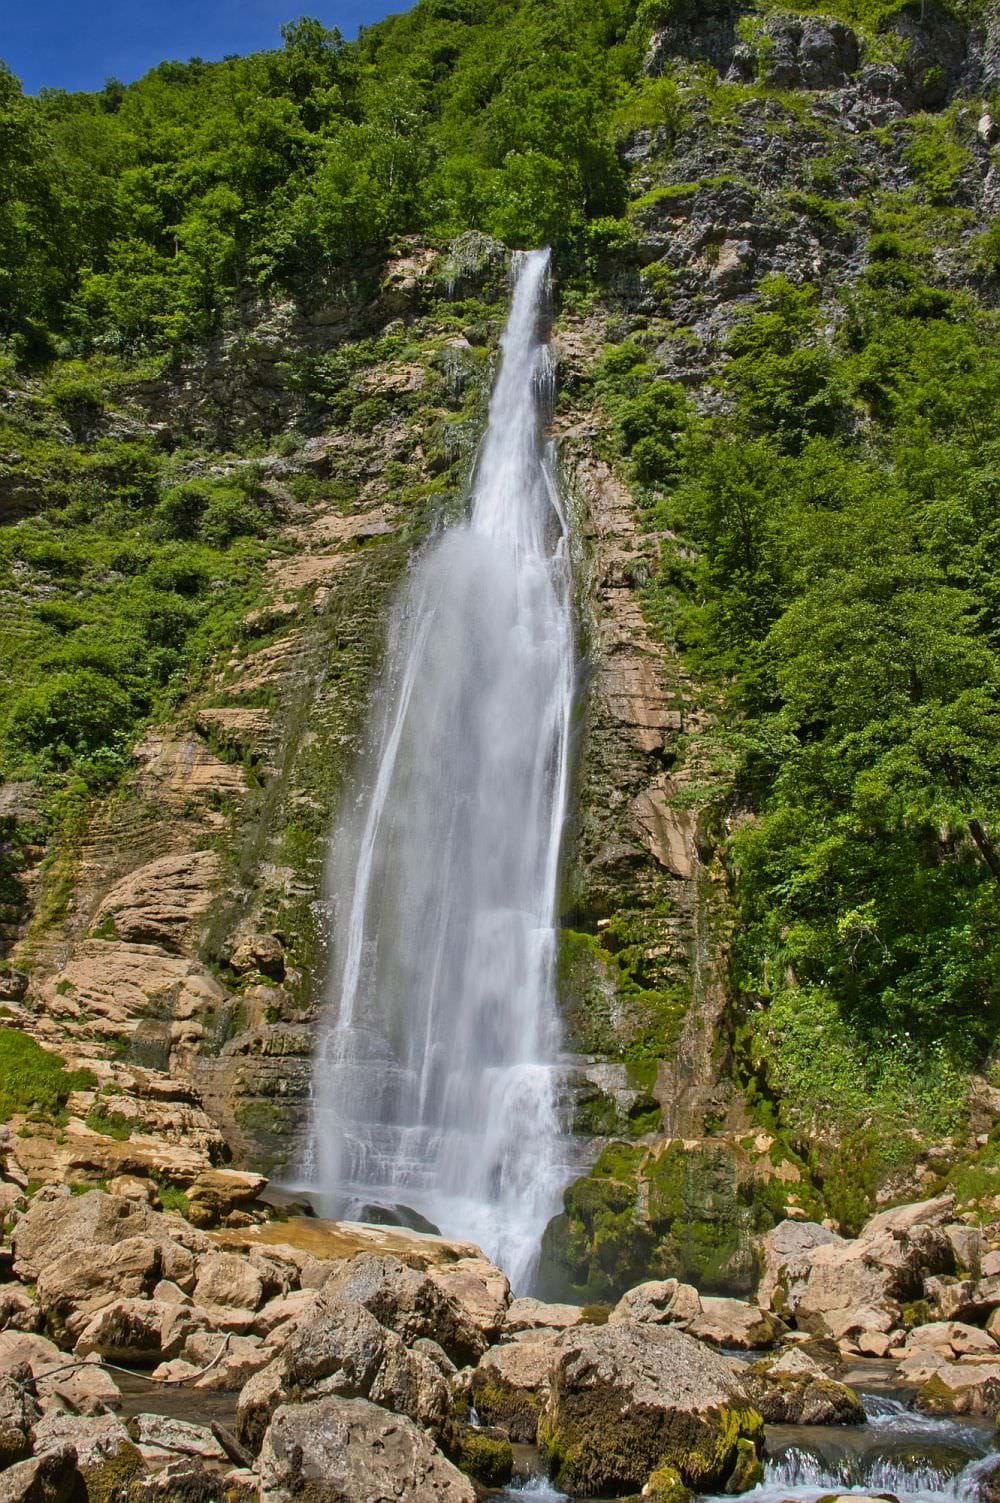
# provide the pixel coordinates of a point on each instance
(915, 1458)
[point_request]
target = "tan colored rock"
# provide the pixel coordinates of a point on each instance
(953, 1339)
(132, 1187)
(480, 1288)
(858, 1286)
(140, 1332)
(108, 988)
(659, 1302)
(335, 1241)
(102, 1445)
(19, 1414)
(259, 1398)
(181, 770)
(49, 1478)
(18, 1311)
(84, 1390)
(58, 1223)
(787, 1252)
(734, 1323)
(510, 1387)
(534, 1314)
(161, 1438)
(874, 1344)
(263, 953)
(83, 1281)
(218, 1192)
(407, 1301)
(231, 1361)
(962, 1388)
(160, 903)
(273, 1317)
(228, 1280)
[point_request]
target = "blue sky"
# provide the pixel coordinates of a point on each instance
(78, 44)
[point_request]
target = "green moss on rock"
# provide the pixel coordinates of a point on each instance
(488, 1458)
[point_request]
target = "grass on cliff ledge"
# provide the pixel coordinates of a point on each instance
(34, 1082)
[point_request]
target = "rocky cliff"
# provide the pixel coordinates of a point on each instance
(164, 933)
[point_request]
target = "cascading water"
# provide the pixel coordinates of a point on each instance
(433, 1084)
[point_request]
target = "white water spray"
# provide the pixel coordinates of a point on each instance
(433, 1083)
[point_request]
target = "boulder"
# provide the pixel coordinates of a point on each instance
(480, 1290)
(534, 1314)
(627, 1398)
(343, 1349)
(787, 1257)
(84, 1390)
(218, 1192)
(408, 1302)
(734, 1323)
(273, 1317)
(224, 1363)
(339, 1450)
(961, 1388)
(135, 1187)
(952, 1338)
(58, 1225)
(258, 1400)
(84, 1280)
(18, 1311)
(659, 1302)
(862, 1285)
(792, 1389)
(49, 1478)
(186, 1480)
(19, 1413)
(161, 1439)
(138, 1331)
(228, 1280)
(106, 1457)
(510, 1387)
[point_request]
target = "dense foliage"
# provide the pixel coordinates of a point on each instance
(131, 217)
(843, 598)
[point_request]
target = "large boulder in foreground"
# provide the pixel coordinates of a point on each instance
(338, 1450)
(627, 1399)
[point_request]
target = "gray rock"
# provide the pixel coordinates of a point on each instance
(407, 1302)
(626, 1399)
(50, 1478)
(339, 1450)
(659, 1302)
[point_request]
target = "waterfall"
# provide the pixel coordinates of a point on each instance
(433, 1079)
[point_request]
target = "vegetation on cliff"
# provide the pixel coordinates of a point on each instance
(819, 479)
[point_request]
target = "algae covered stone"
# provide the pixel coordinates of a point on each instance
(627, 1400)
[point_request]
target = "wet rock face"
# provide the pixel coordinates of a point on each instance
(626, 1399)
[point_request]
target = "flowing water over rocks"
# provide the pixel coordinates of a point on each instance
(433, 1082)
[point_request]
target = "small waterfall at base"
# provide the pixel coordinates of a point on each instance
(433, 1082)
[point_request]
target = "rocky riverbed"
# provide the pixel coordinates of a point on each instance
(142, 1357)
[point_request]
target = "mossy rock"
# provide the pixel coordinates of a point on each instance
(667, 1210)
(485, 1455)
(666, 1485)
(515, 1411)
